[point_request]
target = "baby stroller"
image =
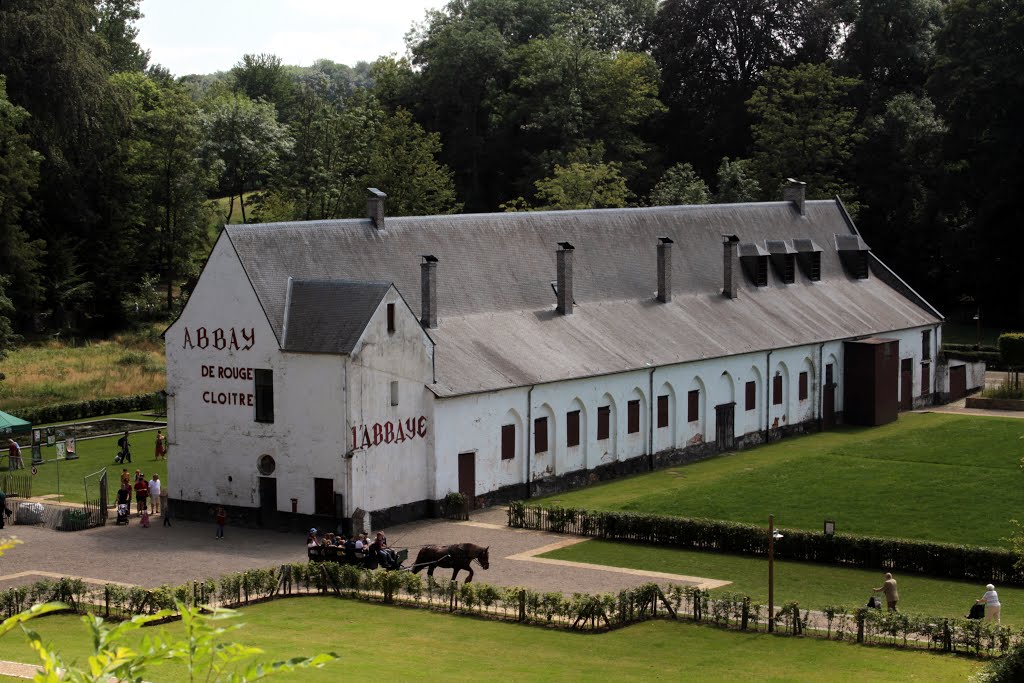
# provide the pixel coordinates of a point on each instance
(874, 603)
(122, 513)
(977, 611)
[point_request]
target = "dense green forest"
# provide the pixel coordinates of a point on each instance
(909, 110)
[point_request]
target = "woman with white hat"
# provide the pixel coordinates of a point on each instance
(992, 606)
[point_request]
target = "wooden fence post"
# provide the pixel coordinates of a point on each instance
(745, 616)
(522, 605)
(860, 626)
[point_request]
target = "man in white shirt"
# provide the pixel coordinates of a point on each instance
(154, 494)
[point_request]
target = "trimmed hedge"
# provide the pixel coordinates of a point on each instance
(945, 560)
(79, 410)
(1011, 348)
(992, 359)
(969, 347)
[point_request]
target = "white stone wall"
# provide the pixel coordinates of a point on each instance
(391, 446)
(217, 443)
(213, 437)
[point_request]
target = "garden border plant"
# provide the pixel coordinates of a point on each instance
(580, 612)
(944, 560)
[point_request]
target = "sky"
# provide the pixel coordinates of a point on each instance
(204, 36)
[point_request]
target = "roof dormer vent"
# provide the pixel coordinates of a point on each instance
(853, 252)
(754, 261)
(783, 260)
(808, 255)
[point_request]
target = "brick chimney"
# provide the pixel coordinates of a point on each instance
(729, 265)
(375, 207)
(565, 278)
(428, 291)
(794, 191)
(665, 270)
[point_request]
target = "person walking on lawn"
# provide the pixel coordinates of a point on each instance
(892, 596)
(992, 604)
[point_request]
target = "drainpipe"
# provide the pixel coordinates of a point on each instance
(529, 442)
(821, 384)
(767, 394)
(349, 454)
(650, 422)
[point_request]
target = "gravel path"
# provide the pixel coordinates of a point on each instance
(188, 551)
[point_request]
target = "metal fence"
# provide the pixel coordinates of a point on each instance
(16, 484)
(96, 498)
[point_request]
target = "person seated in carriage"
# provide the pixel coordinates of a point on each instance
(386, 557)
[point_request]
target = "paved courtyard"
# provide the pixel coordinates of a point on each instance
(188, 551)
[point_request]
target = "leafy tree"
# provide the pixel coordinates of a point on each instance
(114, 25)
(679, 185)
(900, 169)
(7, 336)
(246, 140)
(567, 96)
(264, 77)
(736, 182)
(891, 48)
(342, 149)
(978, 90)
(56, 70)
(173, 181)
(20, 256)
(515, 86)
(802, 129)
(713, 53)
(577, 186)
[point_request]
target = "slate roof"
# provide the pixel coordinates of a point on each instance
(328, 316)
(497, 325)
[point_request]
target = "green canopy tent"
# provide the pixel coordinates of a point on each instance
(13, 425)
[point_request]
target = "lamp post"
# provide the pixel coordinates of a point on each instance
(977, 319)
(772, 537)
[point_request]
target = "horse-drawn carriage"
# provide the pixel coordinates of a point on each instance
(389, 559)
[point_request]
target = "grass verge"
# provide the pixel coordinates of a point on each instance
(51, 372)
(936, 477)
(814, 586)
(409, 644)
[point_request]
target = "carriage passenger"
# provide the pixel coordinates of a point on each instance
(311, 540)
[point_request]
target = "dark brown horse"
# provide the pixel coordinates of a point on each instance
(457, 557)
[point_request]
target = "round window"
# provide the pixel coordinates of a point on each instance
(266, 464)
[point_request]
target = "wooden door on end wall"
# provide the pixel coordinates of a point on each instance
(828, 400)
(906, 384)
(467, 478)
(725, 426)
(268, 502)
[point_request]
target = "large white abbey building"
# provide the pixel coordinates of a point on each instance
(374, 365)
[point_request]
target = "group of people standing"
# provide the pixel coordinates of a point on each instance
(150, 496)
(990, 599)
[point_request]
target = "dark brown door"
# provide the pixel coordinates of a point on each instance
(957, 382)
(828, 407)
(725, 429)
(323, 496)
(467, 478)
(906, 384)
(268, 501)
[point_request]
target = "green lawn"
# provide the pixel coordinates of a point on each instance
(814, 586)
(93, 455)
(938, 477)
(408, 644)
